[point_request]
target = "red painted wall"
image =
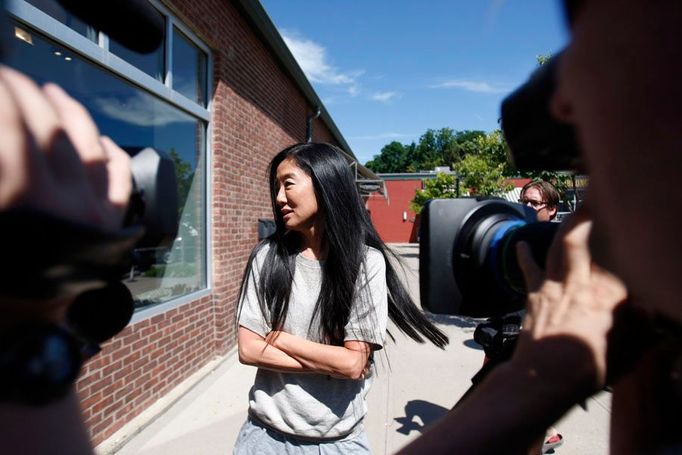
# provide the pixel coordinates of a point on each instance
(387, 215)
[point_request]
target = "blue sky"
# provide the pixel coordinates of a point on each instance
(390, 69)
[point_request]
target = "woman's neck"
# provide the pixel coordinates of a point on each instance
(312, 247)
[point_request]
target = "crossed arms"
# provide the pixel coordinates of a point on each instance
(282, 351)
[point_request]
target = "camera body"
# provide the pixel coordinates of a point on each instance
(467, 255)
(154, 203)
(467, 259)
(536, 140)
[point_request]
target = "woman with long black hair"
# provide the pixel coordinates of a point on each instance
(314, 305)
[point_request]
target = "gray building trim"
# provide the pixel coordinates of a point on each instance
(412, 175)
(59, 32)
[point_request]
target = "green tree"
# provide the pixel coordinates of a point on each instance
(481, 176)
(393, 158)
(442, 147)
(481, 171)
(484, 172)
(443, 186)
(462, 144)
(426, 155)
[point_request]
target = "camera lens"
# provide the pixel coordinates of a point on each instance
(468, 262)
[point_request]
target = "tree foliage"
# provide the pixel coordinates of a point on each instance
(481, 169)
(443, 147)
(443, 186)
(483, 173)
(393, 157)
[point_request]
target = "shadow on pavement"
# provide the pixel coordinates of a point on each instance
(426, 411)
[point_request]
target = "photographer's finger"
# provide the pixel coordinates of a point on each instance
(77, 123)
(609, 290)
(577, 260)
(556, 263)
(14, 177)
(52, 156)
(36, 111)
(120, 180)
(532, 273)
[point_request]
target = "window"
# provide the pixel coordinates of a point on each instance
(152, 63)
(57, 11)
(136, 114)
(189, 68)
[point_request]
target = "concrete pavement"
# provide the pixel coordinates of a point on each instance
(415, 385)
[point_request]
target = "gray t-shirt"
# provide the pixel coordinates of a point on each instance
(314, 405)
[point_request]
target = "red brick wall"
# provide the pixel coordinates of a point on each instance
(387, 215)
(257, 111)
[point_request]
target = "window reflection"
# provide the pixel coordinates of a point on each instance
(133, 118)
(189, 68)
(151, 63)
(53, 9)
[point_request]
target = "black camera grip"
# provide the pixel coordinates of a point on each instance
(45, 256)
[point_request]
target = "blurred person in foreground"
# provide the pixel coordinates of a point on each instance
(52, 161)
(618, 84)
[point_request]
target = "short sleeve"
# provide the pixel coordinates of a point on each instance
(369, 313)
(250, 314)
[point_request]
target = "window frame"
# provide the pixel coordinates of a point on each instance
(98, 53)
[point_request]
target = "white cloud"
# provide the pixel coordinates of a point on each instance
(472, 86)
(314, 62)
(139, 109)
(384, 97)
(388, 135)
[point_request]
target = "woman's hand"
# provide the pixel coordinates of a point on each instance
(573, 300)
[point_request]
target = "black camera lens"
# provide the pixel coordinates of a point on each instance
(468, 263)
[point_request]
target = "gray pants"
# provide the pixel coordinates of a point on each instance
(255, 438)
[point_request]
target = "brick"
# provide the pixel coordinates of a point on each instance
(256, 112)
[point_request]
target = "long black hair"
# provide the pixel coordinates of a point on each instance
(348, 231)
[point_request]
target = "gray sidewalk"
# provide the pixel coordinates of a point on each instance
(416, 384)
